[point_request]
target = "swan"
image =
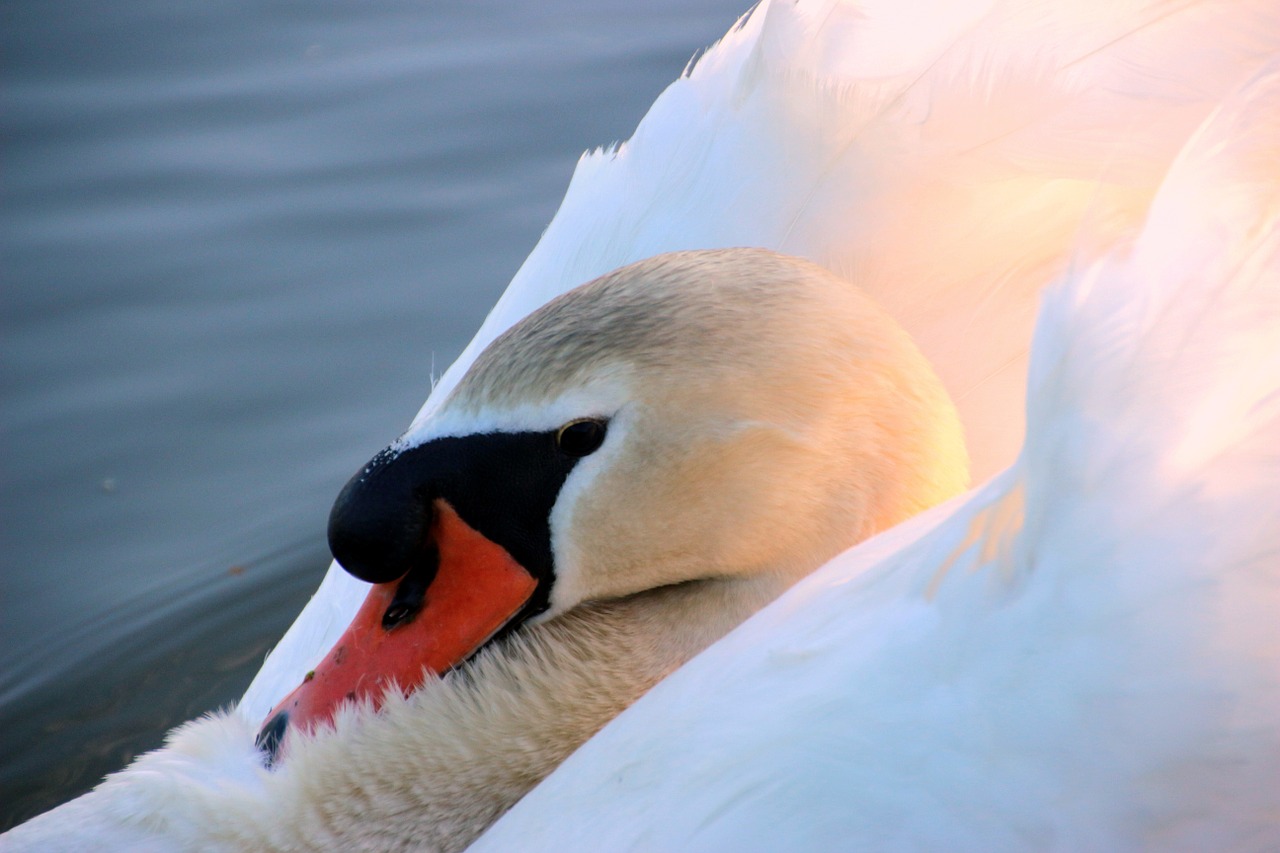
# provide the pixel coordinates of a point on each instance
(1053, 171)
(950, 159)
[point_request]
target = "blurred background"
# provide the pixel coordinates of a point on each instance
(236, 241)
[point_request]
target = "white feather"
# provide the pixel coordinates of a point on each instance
(1082, 655)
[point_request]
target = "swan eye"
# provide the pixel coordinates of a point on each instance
(580, 438)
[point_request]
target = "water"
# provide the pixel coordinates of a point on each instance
(235, 241)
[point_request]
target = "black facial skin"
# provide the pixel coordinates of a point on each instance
(503, 485)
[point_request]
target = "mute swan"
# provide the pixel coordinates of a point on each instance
(1078, 120)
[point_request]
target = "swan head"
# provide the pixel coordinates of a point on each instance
(727, 417)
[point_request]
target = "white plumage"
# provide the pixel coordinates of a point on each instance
(952, 169)
(1082, 653)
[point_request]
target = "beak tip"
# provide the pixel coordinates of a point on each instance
(271, 736)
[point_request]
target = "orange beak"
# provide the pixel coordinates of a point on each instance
(478, 588)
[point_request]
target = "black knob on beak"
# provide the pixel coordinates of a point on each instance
(379, 525)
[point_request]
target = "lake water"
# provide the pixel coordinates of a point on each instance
(235, 241)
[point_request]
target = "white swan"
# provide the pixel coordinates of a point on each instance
(993, 134)
(950, 158)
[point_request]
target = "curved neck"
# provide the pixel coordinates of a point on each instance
(435, 770)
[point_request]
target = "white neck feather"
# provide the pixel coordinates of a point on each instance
(433, 771)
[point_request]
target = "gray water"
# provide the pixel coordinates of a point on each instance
(235, 240)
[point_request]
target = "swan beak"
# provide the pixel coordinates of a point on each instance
(410, 627)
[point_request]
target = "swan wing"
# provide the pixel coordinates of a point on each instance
(1083, 654)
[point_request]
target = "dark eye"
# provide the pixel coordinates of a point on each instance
(580, 438)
